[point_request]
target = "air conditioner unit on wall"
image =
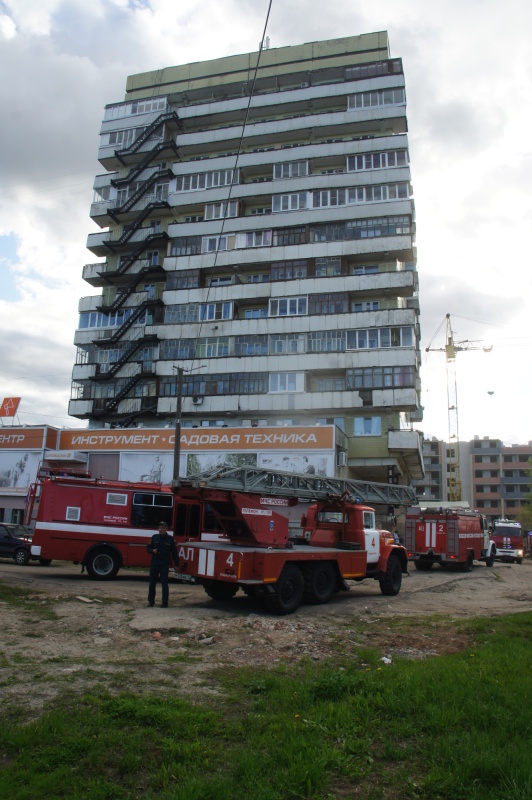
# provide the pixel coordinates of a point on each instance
(342, 458)
(197, 401)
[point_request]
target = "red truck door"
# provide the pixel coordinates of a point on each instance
(431, 535)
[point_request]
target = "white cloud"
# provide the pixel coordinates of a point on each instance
(8, 29)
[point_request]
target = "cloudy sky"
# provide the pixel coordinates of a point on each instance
(468, 69)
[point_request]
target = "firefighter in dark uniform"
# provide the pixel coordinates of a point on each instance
(162, 546)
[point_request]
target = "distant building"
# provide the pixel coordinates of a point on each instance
(494, 475)
(274, 263)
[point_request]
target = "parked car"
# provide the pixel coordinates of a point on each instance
(15, 543)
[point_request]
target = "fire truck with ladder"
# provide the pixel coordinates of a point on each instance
(447, 536)
(337, 539)
(234, 528)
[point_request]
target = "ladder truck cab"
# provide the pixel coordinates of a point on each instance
(337, 539)
(508, 538)
(447, 536)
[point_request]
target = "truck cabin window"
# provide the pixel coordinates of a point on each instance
(150, 508)
(332, 516)
(369, 519)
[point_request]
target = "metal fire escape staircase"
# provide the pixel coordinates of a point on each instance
(301, 486)
(167, 118)
(133, 345)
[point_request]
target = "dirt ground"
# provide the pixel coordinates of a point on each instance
(69, 632)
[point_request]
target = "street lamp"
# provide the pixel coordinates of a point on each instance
(177, 442)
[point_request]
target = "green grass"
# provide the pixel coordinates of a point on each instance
(453, 727)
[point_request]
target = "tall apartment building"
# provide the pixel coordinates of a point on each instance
(258, 232)
(499, 476)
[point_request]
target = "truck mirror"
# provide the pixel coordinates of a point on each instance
(304, 521)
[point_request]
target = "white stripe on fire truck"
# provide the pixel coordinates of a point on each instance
(206, 563)
(430, 534)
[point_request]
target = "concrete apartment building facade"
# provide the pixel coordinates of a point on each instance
(258, 232)
(494, 475)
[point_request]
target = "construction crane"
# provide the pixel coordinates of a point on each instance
(451, 349)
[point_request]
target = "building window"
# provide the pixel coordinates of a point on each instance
(216, 311)
(125, 138)
(370, 338)
(210, 244)
(145, 106)
(380, 378)
(213, 347)
(256, 313)
(188, 312)
(331, 384)
(371, 161)
(174, 349)
(187, 246)
(326, 341)
(333, 303)
(372, 228)
(206, 180)
(380, 97)
(254, 239)
(329, 197)
(252, 345)
(378, 194)
(290, 169)
(289, 202)
(289, 270)
(219, 210)
(283, 343)
(288, 307)
(287, 236)
(286, 382)
(372, 70)
(224, 280)
(367, 426)
(262, 278)
(369, 269)
(328, 267)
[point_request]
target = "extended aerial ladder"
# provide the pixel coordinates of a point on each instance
(304, 487)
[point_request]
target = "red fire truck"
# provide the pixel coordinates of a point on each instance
(337, 540)
(446, 537)
(508, 538)
(105, 525)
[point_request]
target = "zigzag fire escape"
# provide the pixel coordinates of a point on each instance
(138, 371)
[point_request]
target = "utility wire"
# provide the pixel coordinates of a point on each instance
(239, 151)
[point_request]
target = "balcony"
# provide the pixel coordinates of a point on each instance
(408, 446)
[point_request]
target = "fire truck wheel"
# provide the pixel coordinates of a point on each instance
(21, 557)
(288, 591)
(490, 561)
(423, 566)
(518, 560)
(102, 564)
(390, 583)
(320, 583)
(220, 590)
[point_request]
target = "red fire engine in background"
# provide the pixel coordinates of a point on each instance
(508, 538)
(447, 536)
